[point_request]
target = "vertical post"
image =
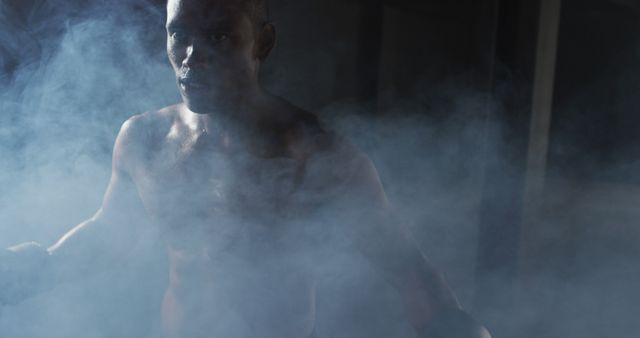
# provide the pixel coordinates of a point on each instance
(543, 89)
(543, 86)
(501, 208)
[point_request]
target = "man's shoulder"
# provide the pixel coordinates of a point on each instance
(310, 136)
(140, 132)
(346, 174)
(328, 154)
(152, 120)
(339, 155)
(145, 128)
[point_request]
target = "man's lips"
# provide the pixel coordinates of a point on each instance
(192, 84)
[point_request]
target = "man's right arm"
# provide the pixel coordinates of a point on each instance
(113, 229)
(91, 245)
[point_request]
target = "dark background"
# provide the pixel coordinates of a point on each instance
(462, 74)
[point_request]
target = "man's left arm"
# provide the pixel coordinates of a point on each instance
(431, 305)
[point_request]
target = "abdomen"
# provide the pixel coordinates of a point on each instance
(230, 297)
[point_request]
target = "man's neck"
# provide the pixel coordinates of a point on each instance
(239, 125)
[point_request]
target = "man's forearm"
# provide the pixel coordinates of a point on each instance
(450, 323)
(431, 305)
(72, 253)
(69, 235)
(32, 263)
(424, 290)
(423, 300)
(89, 247)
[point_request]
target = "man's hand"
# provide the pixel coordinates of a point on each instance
(25, 270)
(454, 323)
(29, 268)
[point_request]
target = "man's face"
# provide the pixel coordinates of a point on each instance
(211, 46)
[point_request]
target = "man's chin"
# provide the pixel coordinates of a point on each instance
(198, 106)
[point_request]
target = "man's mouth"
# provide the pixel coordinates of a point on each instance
(192, 84)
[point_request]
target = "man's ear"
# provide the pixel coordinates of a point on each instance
(266, 41)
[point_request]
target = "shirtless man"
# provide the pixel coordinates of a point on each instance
(246, 190)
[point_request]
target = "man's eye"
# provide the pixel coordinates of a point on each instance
(178, 36)
(218, 37)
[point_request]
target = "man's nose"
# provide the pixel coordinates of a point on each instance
(198, 55)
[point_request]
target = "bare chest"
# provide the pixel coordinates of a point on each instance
(211, 196)
(214, 182)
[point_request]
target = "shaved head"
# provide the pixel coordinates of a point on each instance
(258, 10)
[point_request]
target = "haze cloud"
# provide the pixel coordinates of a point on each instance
(73, 75)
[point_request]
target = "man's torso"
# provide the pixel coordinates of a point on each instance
(241, 227)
